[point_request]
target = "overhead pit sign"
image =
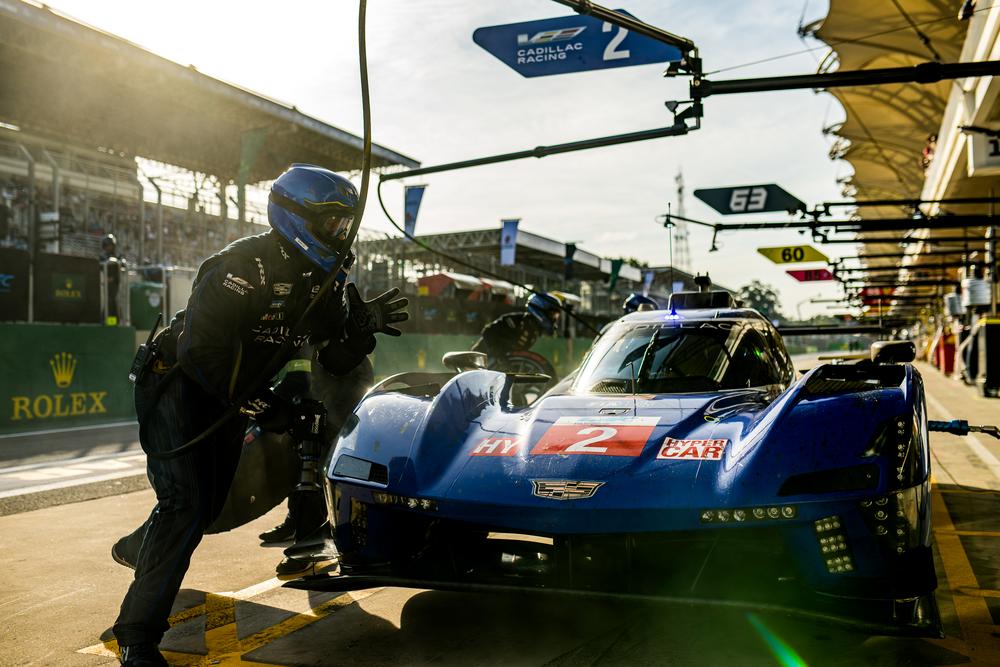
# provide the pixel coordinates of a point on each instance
(750, 199)
(810, 275)
(570, 44)
(793, 254)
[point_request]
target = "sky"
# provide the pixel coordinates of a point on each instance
(438, 97)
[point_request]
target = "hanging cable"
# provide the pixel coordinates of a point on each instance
(280, 356)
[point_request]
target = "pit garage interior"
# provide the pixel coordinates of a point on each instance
(66, 494)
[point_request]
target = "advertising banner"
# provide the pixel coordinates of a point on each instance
(13, 285)
(412, 196)
(67, 289)
(508, 242)
(62, 376)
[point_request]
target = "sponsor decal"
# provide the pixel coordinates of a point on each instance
(281, 289)
(544, 46)
(67, 286)
(277, 303)
(273, 317)
(237, 284)
(497, 446)
(314, 291)
(302, 244)
(276, 334)
(6, 282)
(260, 268)
(564, 489)
(693, 450)
(46, 406)
(597, 436)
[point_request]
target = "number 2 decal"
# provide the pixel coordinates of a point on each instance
(584, 446)
(596, 436)
(611, 51)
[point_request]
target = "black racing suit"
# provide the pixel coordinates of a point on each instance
(507, 333)
(243, 303)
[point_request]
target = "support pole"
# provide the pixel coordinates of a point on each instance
(56, 189)
(32, 231)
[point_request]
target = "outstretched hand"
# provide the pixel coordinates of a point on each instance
(370, 317)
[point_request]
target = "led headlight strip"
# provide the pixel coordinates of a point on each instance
(748, 514)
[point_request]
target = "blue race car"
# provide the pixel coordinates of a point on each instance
(684, 460)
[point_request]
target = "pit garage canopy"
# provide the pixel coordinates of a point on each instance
(889, 131)
(67, 80)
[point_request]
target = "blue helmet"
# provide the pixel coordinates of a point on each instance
(636, 302)
(546, 309)
(314, 209)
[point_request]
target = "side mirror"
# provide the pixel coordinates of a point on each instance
(464, 361)
(893, 352)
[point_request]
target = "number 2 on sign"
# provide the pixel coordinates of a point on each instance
(611, 51)
(584, 446)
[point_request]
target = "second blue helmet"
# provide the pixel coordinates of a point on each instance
(546, 309)
(636, 302)
(314, 208)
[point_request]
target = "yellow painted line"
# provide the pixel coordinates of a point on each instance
(973, 613)
(299, 621)
(981, 592)
(109, 648)
(974, 533)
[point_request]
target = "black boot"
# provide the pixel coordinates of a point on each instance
(142, 655)
(120, 554)
(283, 532)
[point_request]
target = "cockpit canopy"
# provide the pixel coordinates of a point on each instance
(675, 355)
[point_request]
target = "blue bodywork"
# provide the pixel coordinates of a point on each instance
(820, 495)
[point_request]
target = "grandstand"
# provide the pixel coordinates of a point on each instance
(98, 136)
(80, 108)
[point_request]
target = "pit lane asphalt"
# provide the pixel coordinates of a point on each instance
(59, 594)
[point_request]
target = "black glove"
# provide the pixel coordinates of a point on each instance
(271, 412)
(366, 318)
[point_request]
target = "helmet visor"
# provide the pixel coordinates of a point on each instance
(331, 228)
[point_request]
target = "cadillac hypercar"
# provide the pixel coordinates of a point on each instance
(686, 459)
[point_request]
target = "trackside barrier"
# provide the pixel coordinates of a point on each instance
(424, 352)
(56, 376)
(59, 376)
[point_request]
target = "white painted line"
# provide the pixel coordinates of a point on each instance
(69, 429)
(973, 443)
(77, 481)
(130, 455)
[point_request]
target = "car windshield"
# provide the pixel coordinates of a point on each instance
(679, 357)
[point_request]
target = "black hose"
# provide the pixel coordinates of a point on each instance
(278, 359)
(468, 265)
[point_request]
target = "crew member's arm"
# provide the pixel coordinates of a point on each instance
(499, 337)
(208, 348)
(361, 321)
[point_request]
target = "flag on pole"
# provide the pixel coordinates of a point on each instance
(568, 261)
(616, 268)
(508, 242)
(411, 205)
(647, 282)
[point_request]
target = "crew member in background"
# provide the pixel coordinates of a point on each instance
(638, 303)
(520, 330)
(244, 304)
(112, 265)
